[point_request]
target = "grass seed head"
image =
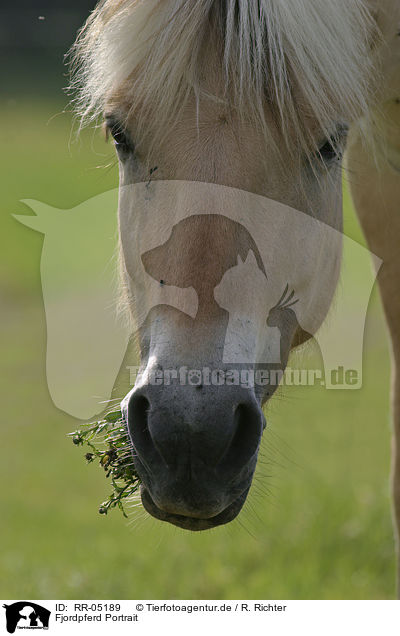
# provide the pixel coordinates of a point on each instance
(109, 443)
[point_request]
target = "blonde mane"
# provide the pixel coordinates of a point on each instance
(298, 58)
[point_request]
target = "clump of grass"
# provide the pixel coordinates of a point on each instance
(109, 443)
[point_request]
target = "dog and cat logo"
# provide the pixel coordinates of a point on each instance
(26, 615)
(262, 281)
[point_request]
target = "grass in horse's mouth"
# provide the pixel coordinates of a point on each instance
(109, 443)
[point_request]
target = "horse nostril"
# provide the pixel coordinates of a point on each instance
(173, 445)
(247, 427)
(138, 409)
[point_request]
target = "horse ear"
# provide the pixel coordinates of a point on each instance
(44, 219)
(239, 261)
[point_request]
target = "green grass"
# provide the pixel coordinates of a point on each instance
(317, 523)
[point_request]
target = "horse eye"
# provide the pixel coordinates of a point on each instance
(328, 152)
(332, 148)
(122, 141)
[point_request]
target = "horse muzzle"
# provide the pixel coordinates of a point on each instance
(195, 450)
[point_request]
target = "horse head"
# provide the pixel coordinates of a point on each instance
(229, 142)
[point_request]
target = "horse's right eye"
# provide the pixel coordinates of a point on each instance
(122, 141)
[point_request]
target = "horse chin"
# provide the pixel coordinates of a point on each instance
(193, 523)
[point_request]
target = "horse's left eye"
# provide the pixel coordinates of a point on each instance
(328, 152)
(333, 147)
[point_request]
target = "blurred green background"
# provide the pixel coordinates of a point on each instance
(317, 522)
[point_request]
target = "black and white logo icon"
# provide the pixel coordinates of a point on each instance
(26, 615)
